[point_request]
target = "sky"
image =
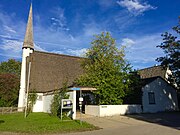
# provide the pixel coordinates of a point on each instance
(69, 26)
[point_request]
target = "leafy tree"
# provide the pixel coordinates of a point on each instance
(105, 69)
(11, 66)
(58, 96)
(171, 48)
(9, 82)
(55, 104)
(134, 92)
(9, 87)
(32, 97)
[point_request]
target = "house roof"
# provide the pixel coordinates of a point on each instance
(149, 80)
(49, 70)
(154, 71)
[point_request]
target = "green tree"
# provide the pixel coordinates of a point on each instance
(134, 93)
(171, 48)
(11, 66)
(58, 96)
(9, 87)
(9, 82)
(105, 69)
(32, 97)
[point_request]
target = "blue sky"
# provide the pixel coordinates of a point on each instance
(68, 26)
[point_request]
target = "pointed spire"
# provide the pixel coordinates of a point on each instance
(28, 40)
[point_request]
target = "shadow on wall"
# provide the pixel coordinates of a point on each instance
(133, 109)
(165, 97)
(169, 119)
(171, 104)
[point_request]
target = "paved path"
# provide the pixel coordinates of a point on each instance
(122, 125)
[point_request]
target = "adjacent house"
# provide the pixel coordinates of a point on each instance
(158, 94)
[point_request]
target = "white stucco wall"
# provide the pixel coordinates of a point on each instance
(22, 98)
(47, 100)
(72, 96)
(38, 106)
(110, 110)
(44, 105)
(92, 110)
(165, 97)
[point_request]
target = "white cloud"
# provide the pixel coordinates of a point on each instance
(50, 40)
(57, 52)
(58, 40)
(9, 29)
(124, 20)
(127, 42)
(77, 52)
(11, 48)
(11, 45)
(5, 36)
(10, 25)
(144, 50)
(58, 22)
(38, 48)
(106, 3)
(135, 6)
(91, 28)
(72, 52)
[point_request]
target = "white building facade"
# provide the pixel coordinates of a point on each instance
(28, 48)
(159, 96)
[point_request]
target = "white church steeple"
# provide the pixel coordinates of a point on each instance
(28, 47)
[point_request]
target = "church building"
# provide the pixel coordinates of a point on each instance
(45, 73)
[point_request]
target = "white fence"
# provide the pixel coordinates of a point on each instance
(110, 110)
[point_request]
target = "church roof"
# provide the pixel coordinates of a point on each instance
(49, 70)
(28, 40)
(153, 72)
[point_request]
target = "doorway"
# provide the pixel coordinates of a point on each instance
(88, 99)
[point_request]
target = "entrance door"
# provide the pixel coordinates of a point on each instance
(88, 99)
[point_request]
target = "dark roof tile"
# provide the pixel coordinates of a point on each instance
(153, 72)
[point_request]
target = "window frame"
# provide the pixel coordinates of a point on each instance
(151, 98)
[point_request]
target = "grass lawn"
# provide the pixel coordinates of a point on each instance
(39, 123)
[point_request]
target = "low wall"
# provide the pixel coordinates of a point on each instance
(6, 110)
(110, 110)
(92, 110)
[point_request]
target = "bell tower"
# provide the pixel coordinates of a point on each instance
(28, 47)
